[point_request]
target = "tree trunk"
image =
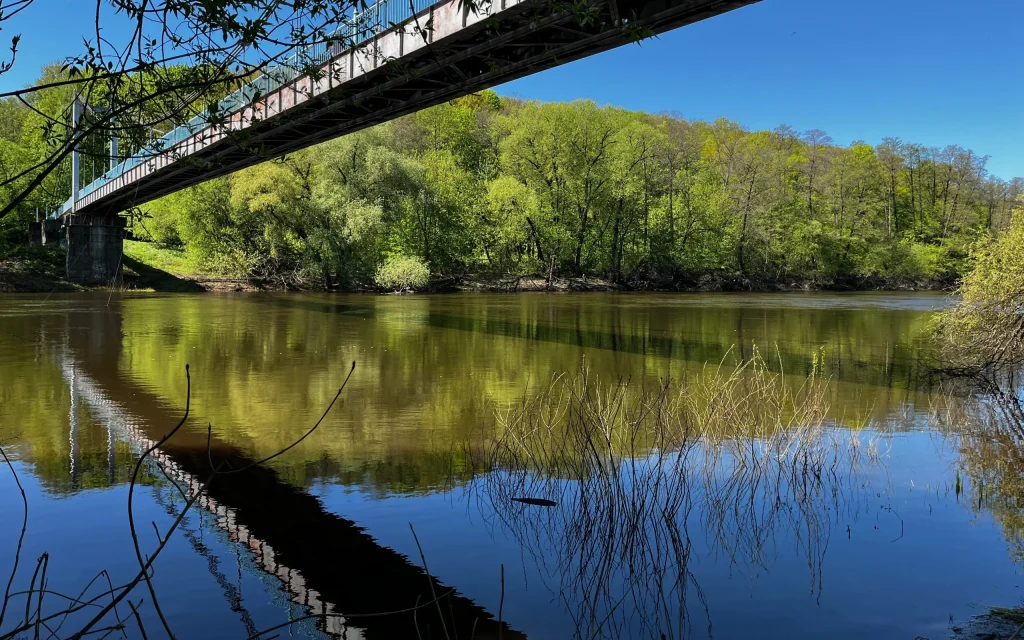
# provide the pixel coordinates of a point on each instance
(536, 239)
(580, 238)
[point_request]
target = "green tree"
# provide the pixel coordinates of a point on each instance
(504, 187)
(984, 332)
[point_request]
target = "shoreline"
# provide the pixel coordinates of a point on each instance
(39, 270)
(526, 284)
(22, 282)
(997, 623)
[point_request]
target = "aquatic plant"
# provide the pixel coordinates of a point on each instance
(602, 483)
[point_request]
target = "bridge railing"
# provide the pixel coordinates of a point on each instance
(360, 28)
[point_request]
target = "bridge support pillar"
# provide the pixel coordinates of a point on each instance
(52, 231)
(95, 249)
(35, 233)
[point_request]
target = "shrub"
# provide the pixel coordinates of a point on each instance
(402, 272)
(986, 329)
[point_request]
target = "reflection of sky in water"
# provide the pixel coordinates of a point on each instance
(431, 369)
(89, 532)
(873, 584)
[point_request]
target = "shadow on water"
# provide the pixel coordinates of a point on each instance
(314, 305)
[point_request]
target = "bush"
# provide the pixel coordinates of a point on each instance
(402, 272)
(985, 331)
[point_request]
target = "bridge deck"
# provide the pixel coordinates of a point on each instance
(389, 74)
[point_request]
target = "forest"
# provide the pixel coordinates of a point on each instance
(494, 187)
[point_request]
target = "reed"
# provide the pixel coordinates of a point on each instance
(603, 484)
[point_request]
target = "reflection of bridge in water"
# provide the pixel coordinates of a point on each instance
(120, 425)
(326, 565)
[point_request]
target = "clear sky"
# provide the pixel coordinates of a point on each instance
(935, 72)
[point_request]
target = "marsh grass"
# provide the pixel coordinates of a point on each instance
(737, 452)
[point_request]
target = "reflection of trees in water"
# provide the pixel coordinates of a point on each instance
(737, 458)
(990, 431)
(421, 385)
(281, 536)
(432, 368)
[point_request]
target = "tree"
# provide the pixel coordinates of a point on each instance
(816, 143)
(511, 235)
(507, 187)
(984, 332)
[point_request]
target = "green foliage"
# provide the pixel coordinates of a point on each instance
(907, 262)
(985, 331)
(173, 261)
(402, 272)
(499, 187)
(33, 260)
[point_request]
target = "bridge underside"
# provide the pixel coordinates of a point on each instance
(479, 53)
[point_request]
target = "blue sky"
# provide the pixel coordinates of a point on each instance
(935, 72)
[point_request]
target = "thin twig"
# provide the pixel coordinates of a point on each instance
(21, 538)
(31, 588)
(131, 510)
(353, 616)
(42, 592)
(430, 580)
(138, 620)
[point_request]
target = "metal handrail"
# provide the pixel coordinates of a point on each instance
(361, 28)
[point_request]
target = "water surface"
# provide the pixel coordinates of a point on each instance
(901, 544)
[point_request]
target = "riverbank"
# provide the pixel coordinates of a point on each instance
(34, 269)
(149, 267)
(997, 624)
(30, 269)
(704, 284)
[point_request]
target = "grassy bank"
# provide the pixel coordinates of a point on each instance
(147, 267)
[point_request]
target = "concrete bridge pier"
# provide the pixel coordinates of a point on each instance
(95, 248)
(52, 228)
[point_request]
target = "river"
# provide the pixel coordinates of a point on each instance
(894, 543)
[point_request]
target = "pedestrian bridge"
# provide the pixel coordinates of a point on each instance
(407, 55)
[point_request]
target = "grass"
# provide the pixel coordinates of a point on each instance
(148, 266)
(172, 261)
(601, 484)
(1013, 615)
